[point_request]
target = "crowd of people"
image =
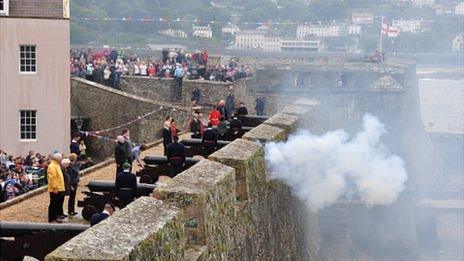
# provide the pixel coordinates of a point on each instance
(19, 175)
(107, 67)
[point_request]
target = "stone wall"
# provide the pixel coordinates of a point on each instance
(107, 108)
(153, 88)
(230, 210)
(167, 90)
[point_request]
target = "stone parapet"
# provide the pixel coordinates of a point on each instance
(147, 229)
(206, 194)
(284, 121)
(224, 208)
(264, 133)
(242, 155)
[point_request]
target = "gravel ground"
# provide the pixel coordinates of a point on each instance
(35, 209)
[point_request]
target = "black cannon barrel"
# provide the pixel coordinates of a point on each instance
(108, 186)
(252, 120)
(156, 160)
(15, 229)
(197, 142)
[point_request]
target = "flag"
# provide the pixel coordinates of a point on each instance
(388, 30)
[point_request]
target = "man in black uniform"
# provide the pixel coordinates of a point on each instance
(209, 140)
(176, 156)
(120, 154)
(126, 185)
(235, 129)
(242, 110)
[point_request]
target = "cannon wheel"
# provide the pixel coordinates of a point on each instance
(146, 179)
(88, 211)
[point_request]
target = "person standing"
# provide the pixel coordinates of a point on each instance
(209, 140)
(167, 138)
(65, 163)
(179, 75)
(120, 154)
(74, 178)
(259, 107)
(230, 104)
(126, 185)
(55, 187)
(196, 96)
(74, 147)
(128, 145)
(176, 156)
(214, 117)
(242, 110)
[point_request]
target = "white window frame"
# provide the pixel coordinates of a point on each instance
(6, 9)
(36, 59)
(30, 125)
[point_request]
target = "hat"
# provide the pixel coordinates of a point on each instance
(126, 165)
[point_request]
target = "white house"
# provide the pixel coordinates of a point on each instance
(458, 43)
(230, 29)
(422, 3)
(202, 31)
(174, 33)
(257, 40)
(362, 18)
(298, 44)
(459, 9)
(411, 26)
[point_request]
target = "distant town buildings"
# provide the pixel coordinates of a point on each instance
(230, 29)
(327, 30)
(291, 45)
(34, 76)
(412, 26)
(202, 31)
(174, 33)
(362, 18)
(458, 43)
(422, 3)
(263, 41)
(459, 9)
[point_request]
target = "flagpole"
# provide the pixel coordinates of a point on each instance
(381, 39)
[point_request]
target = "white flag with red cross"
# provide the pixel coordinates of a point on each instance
(388, 30)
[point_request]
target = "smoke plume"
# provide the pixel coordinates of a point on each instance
(322, 169)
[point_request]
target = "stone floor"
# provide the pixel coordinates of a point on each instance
(35, 209)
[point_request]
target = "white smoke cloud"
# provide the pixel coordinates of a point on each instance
(321, 169)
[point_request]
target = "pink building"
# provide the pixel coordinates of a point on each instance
(34, 76)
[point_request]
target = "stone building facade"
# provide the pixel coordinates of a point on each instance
(34, 76)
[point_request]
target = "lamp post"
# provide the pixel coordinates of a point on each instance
(79, 122)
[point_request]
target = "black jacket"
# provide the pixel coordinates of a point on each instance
(73, 171)
(235, 125)
(210, 137)
(125, 186)
(242, 111)
(120, 154)
(97, 218)
(167, 138)
(176, 151)
(74, 148)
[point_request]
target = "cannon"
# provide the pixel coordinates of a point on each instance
(156, 166)
(252, 120)
(34, 239)
(101, 192)
(195, 147)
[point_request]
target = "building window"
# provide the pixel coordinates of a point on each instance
(28, 125)
(27, 59)
(4, 7)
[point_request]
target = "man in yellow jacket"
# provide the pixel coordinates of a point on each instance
(55, 188)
